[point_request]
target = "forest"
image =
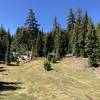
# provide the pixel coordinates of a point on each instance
(81, 38)
(61, 64)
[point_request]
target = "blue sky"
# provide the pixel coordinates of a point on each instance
(13, 13)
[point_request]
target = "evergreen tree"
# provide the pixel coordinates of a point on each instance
(40, 45)
(3, 42)
(55, 32)
(71, 20)
(8, 53)
(60, 44)
(49, 43)
(91, 44)
(55, 27)
(77, 34)
(71, 23)
(32, 24)
(34, 50)
(84, 32)
(98, 36)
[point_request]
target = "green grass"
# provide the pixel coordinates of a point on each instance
(71, 79)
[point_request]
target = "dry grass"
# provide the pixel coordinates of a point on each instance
(71, 79)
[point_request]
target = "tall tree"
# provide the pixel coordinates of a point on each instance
(8, 53)
(40, 44)
(98, 36)
(84, 32)
(3, 42)
(61, 43)
(98, 31)
(91, 44)
(32, 24)
(49, 43)
(77, 35)
(71, 23)
(55, 32)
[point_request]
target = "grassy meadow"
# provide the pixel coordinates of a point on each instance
(70, 79)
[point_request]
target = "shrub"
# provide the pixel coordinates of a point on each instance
(47, 66)
(53, 60)
(17, 62)
(51, 57)
(92, 61)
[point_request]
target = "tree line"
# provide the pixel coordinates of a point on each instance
(80, 38)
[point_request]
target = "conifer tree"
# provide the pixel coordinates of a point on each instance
(49, 43)
(57, 44)
(55, 32)
(31, 21)
(91, 44)
(8, 53)
(55, 27)
(77, 35)
(40, 45)
(3, 42)
(60, 44)
(70, 28)
(84, 32)
(32, 25)
(98, 36)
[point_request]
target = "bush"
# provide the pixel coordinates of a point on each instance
(53, 60)
(17, 62)
(51, 57)
(92, 61)
(47, 66)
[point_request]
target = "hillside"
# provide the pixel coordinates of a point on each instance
(71, 79)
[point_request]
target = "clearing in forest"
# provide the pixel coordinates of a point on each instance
(71, 79)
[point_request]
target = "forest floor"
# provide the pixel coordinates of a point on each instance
(71, 79)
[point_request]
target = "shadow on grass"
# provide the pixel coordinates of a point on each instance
(2, 69)
(8, 86)
(50, 69)
(12, 65)
(2, 96)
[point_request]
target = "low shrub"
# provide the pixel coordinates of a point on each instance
(53, 60)
(17, 62)
(51, 57)
(47, 66)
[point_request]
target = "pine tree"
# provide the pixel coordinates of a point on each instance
(32, 25)
(34, 50)
(49, 43)
(98, 36)
(40, 45)
(55, 32)
(31, 22)
(91, 44)
(3, 42)
(71, 23)
(71, 20)
(77, 34)
(85, 29)
(55, 27)
(60, 44)
(57, 45)
(8, 53)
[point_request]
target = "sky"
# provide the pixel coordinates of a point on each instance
(13, 13)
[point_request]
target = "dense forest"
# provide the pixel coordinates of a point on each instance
(81, 37)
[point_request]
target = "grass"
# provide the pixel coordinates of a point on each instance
(71, 79)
